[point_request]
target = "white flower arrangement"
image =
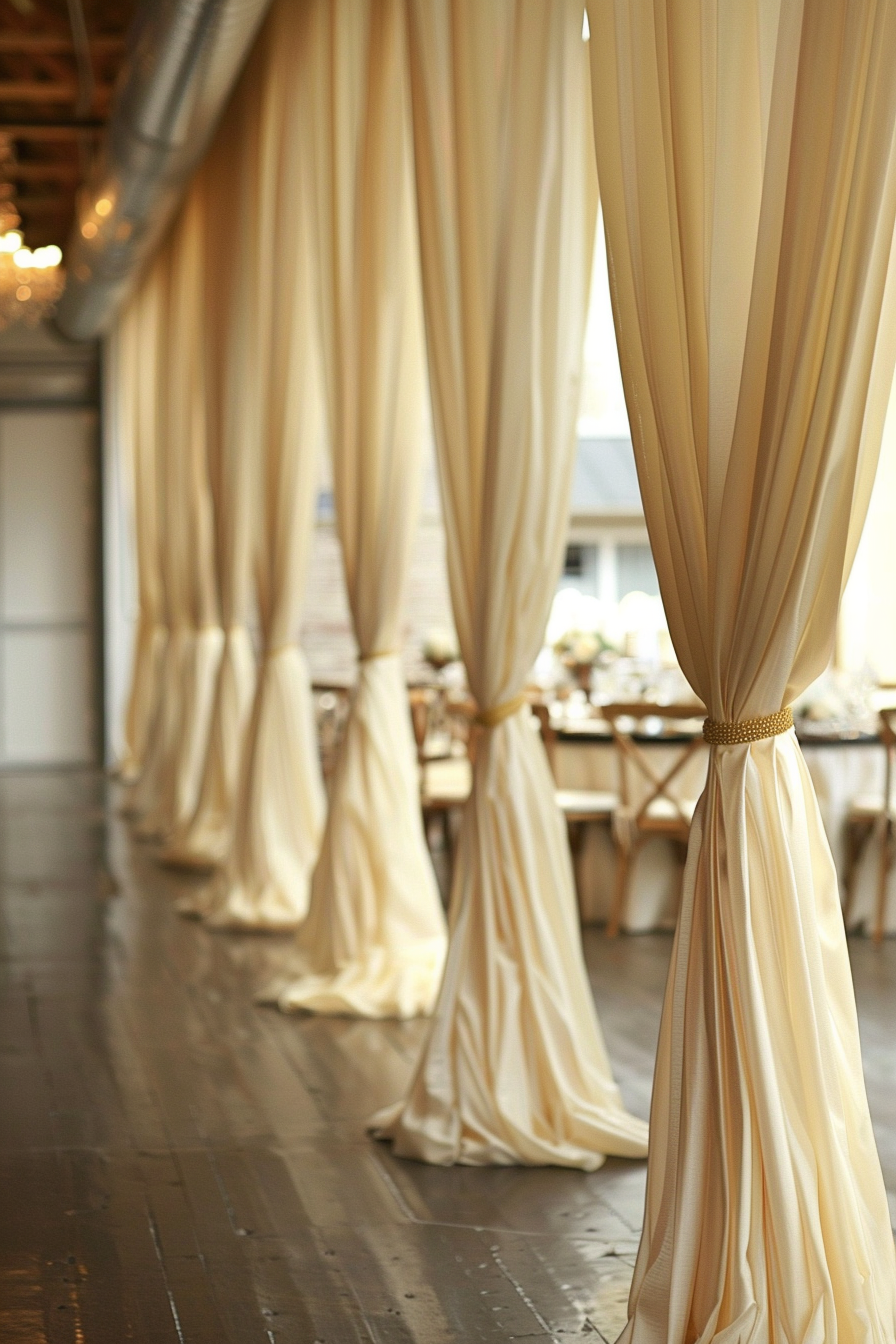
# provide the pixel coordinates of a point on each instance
(440, 647)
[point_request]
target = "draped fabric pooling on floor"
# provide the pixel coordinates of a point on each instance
(374, 940)
(514, 1069)
(280, 799)
(746, 161)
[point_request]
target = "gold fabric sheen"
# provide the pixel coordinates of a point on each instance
(373, 944)
(490, 718)
(719, 733)
(514, 1068)
(378, 653)
(746, 161)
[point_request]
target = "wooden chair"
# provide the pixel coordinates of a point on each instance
(332, 702)
(580, 807)
(444, 758)
(870, 814)
(649, 804)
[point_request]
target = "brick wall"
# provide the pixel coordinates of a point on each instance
(326, 626)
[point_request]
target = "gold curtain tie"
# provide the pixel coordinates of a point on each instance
(720, 733)
(378, 653)
(490, 718)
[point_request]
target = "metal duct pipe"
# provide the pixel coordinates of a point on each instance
(184, 61)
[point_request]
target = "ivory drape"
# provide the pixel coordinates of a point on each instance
(280, 800)
(194, 645)
(232, 433)
(514, 1069)
(374, 940)
(746, 160)
(136, 370)
(142, 797)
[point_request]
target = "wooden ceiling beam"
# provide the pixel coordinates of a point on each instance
(51, 130)
(43, 205)
(43, 91)
(44, 44)
(40, 172)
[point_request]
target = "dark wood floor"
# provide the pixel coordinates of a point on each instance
(179, 1165)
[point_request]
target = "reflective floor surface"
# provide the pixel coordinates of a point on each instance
(179, 1165)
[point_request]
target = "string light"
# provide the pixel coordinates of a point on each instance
(30, 281)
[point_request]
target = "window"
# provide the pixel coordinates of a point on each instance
(635, 571)
(574, 564)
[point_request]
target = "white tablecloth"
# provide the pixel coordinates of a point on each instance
(840, 772)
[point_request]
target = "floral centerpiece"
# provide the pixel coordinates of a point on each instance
(579, 650)
(440, 648)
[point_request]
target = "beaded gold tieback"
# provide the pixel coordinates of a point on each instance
(720, 733)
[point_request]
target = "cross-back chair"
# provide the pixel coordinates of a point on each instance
(580, 807)
(443, 738)
(870, 814)
(650, 803)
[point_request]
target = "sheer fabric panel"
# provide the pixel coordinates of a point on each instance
(195, 636)
(234, 459)
(745, 155)
(374, 941)
(136, 372)
(514, 1069)
(280, 799)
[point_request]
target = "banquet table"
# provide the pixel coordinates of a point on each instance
(843, 765)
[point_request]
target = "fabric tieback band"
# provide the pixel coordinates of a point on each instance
(490, 718)
(378, 653)
(719, 733)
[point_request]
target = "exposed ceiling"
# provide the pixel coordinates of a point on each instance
(59, 60)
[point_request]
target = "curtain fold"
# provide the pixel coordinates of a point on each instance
(746, 160)
(514, 1069)
(280, 799)
(193, 648)
(203, 840)
(374, 940)
(136, 371)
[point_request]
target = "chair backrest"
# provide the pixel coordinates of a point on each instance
(641, 783)
(434, 710)
(548, 733)
(420, 702)
(886, 721)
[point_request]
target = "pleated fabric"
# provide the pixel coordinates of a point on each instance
(195, 640)
(136, 340)
(514, 1069)
(746, 161)
(234, 462)
(280, 798)
(374, 940)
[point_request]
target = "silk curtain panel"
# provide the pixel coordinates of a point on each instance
(204, 839)
(514, 1069)
(745, 155)
(280, 799)
(195, 637)
(135, 373)
(142, 798)
(374, 940)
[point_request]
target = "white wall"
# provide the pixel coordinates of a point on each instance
(48, 634)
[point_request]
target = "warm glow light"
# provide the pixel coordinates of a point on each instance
(103, 206)
(53, 254)
(23, 257)
(10, 242)
(23, 293)
(89, 230)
